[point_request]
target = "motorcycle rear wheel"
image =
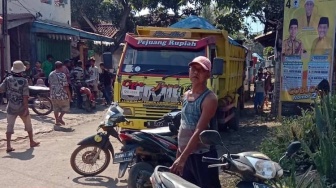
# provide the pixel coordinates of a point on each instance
(86, 159)
(139, 175)
(41, 103)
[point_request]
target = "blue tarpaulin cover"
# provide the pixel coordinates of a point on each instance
(195, 22)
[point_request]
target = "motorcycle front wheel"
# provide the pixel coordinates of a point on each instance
(42, 105)
(89, 160)
(139, 175)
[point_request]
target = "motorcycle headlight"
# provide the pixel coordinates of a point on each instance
(108, 119)
(264, 169)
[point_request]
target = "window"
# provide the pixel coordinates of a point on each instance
(171, 60)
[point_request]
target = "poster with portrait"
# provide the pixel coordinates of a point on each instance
(307, 48)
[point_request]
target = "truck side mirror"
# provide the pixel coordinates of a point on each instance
(217, 66)
(108, 60)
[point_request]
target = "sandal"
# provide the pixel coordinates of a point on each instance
(10, 150)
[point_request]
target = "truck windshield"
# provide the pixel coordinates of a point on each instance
(170, 60)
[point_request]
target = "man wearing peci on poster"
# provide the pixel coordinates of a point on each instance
(322, 45)
(292, 45)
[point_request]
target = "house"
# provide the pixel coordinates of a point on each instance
(40, 27)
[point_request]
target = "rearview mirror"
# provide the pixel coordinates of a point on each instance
(293, 148)
(210, 137)
(217, 66)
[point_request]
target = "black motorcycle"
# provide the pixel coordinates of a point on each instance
(144, 150)
(93, 155)
(253, 168)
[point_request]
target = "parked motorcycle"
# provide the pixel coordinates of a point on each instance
(253, 168)
(38, 100)
(93, 155)
(144, 150)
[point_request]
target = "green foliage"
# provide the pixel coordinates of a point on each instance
(315, 129)
(268, 51)
(325, 155)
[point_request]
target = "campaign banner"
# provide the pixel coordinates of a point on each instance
(307, 48)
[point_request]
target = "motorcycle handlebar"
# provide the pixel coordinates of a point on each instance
(211, 160)
(126, 120)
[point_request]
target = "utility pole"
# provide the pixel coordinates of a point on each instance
(4, 37)
(276, 104)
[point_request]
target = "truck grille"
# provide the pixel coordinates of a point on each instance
(150, 113)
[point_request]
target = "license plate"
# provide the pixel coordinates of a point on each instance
(258, 185)
(123, 157)
(155, 124)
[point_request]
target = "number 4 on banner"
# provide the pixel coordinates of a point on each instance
(295, 4)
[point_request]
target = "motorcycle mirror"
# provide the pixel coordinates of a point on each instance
(211, 137)
(100, 126)
(293, 148)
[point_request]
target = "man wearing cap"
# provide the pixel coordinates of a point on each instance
(292, 45)
(59, 93)
(199, 107)
(322, 45)
(16, 88)
(309, 19)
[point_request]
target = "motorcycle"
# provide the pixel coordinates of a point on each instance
(93, 155)
(89, 101)
(38, 100)
(253, 168)
(146, 149)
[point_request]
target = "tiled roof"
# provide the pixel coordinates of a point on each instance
(107, 30)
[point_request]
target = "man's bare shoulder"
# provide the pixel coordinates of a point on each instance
(211, 98)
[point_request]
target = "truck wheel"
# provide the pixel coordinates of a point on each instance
(139, 175)
(234, 122)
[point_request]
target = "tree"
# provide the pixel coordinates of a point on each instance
(228, 14)
(268, 12)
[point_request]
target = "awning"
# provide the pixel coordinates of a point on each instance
(43, 27)
(267, 39)
(15, 20)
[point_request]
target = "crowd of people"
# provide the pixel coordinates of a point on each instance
(77, 75)
(64, 80)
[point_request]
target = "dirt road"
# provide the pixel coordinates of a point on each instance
(49, 165)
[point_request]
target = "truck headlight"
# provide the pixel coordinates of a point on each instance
(264, 168)
(128, 111)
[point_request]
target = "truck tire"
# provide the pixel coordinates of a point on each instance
(234, 122)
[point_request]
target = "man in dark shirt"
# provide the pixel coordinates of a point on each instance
(77, 80)
(106, 79)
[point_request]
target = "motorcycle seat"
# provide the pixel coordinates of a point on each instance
(171, 180)
(168, 139)
(39, 88)
(163, 131)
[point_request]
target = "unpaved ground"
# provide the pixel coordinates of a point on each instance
(45, 124)
(253, 129)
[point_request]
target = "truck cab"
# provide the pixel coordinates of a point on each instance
(153, 72)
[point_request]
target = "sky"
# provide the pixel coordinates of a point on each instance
(254, 26)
